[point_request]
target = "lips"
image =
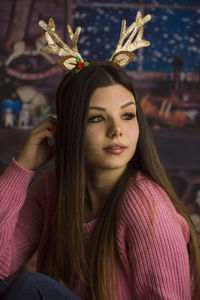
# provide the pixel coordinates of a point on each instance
(115, 149)
(115, 146)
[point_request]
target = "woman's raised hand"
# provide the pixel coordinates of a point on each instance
(37, 151)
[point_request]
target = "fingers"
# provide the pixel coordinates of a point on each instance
(52, 116)
(48, 124)
(39, 147)
(42, 135)
(45, 134)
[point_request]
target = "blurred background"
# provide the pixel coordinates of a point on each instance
(166, 75)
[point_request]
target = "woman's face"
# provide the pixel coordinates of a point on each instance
(112, 131)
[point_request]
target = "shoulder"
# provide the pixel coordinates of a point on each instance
(144, 192)
(141, 184)
(147, 206)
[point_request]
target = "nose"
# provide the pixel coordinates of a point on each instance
(114, 130)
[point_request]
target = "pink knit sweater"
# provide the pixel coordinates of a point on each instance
(146, 268)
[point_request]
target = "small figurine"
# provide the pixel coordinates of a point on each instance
(9, 118)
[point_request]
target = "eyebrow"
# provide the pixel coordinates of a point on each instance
(103, 109)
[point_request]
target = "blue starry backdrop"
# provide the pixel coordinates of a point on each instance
(173, 30)
(173, 33)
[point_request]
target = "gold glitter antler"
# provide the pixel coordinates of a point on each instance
(123, 53)
(69, 55)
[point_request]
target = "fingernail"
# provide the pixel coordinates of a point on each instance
(53, 116)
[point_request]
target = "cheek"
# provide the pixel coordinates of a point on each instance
(93, 138)
(133, 132)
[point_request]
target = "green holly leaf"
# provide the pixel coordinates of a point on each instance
(78, 59)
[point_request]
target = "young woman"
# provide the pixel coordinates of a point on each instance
(107, 224)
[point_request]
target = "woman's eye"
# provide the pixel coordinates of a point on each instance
(96, 119)
(128, 116)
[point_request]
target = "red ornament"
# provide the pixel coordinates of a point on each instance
(80, 65)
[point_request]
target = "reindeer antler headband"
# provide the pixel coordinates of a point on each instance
(70, 57)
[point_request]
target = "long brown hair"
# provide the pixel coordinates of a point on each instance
(66, 241)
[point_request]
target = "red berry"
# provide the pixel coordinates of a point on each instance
(79, 66)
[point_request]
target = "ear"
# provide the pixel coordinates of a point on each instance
(67, 62)
(122, 58)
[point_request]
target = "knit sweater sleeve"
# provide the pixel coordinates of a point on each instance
(21, 217)
(157, 245)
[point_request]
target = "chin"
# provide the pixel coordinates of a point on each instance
(109, 163)
(115, 166)
(117, 163)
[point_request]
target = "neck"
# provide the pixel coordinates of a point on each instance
(100, 184)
